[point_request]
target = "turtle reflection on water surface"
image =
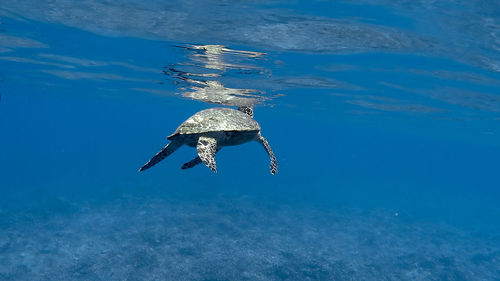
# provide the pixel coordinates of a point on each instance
(211, 129)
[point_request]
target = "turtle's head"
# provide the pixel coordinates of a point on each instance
(248, 109)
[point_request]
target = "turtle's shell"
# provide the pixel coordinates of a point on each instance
(217, 119)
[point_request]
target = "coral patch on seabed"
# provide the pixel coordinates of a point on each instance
(239, 239)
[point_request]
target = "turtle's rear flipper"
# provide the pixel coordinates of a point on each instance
(165, 152)
(194, 162)
(207, 147)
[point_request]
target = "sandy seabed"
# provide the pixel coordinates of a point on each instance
(238, 239)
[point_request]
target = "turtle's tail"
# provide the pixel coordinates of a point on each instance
(162, 154)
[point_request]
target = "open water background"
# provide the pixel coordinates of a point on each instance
(384, 117)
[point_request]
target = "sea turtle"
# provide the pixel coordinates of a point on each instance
(211, 129)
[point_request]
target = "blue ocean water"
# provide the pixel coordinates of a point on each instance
(384, 117)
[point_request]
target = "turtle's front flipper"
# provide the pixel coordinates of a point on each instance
(165, 152)
(274, 164)
(207, 147)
